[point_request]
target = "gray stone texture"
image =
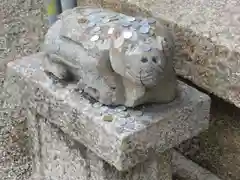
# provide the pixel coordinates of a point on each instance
(207, 41)
(132, 135)
(61, 158)
(187, 169)
(217, 149)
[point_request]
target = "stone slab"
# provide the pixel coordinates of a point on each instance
(132, 135)
(61, 158)
(207, 39)
(187, 169)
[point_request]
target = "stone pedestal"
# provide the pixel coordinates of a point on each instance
(76, 138)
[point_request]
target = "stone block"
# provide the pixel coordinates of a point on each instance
(122, 137)
(61, 157)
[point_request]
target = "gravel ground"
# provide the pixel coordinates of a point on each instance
(21, 30)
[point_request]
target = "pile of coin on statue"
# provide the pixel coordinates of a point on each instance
(133, 27)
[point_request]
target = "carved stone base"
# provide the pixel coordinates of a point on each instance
(72, 137)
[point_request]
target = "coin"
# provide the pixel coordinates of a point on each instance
(131, 19)
(91, 24)
(96, 29)
(110, 30)
(127, 34)
(151, 20)
(121, 108)
(136, 113)
(126, 24)
(105, 20)
(144, 29)
(146, 47)
(94, 38)
(97, 105)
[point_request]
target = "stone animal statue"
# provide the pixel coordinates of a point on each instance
(115, 58)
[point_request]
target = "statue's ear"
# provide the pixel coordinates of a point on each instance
(165, 40)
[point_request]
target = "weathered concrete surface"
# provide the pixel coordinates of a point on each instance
(207, 37)
(187, 169)
(218, 148)
(131, 135)
(61, 158)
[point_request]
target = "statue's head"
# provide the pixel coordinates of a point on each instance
(143, 59)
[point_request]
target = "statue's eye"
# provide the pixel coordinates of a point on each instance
(154, 59)
(144, 60)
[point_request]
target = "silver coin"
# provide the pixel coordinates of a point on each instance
(121, 108)
(96, 29)
(127, 34)
(126, 24)
(97, 105)
(110, 30)
(146, 47)
(151, 20)
(105, 20)
(94, 38)
(91, 24)
(131, 19)
(123, 114)
(144, 29)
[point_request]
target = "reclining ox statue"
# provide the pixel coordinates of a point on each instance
(114, 58)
